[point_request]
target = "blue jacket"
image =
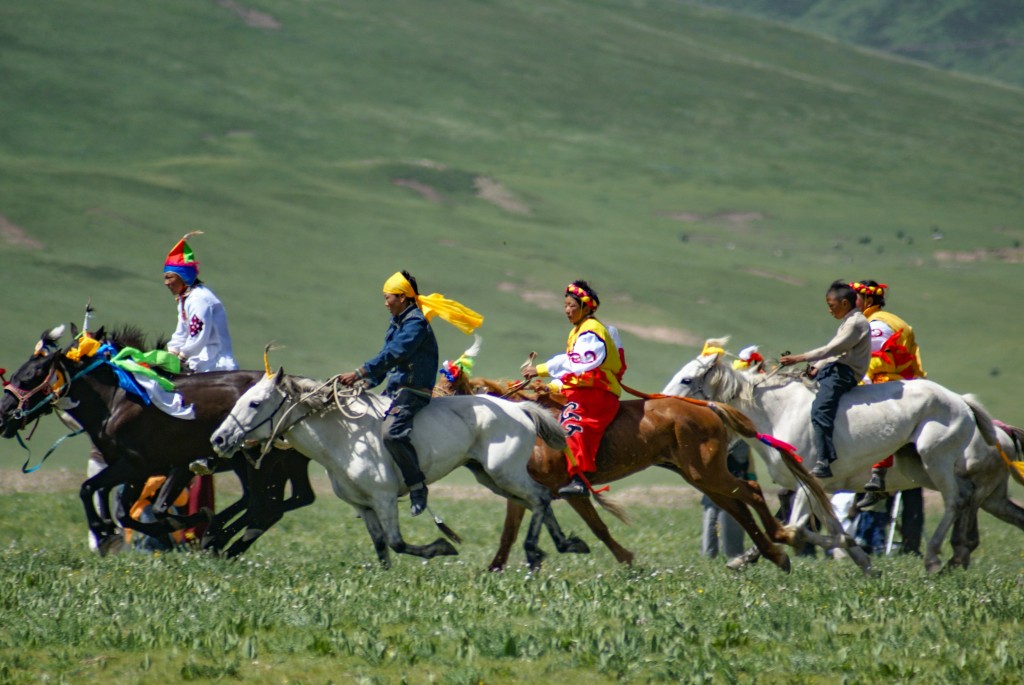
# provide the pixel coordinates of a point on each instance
(409, 358)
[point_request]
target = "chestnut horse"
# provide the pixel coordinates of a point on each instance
(687, 438)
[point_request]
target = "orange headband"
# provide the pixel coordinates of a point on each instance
(872, 290)
(582, 295)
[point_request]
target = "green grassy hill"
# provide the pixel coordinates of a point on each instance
(980, 38)
(709, 173)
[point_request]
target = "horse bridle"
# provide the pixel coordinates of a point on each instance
(55, 381)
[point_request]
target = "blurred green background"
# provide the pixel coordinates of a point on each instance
(708, 171)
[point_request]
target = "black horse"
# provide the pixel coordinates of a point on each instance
(138, 440)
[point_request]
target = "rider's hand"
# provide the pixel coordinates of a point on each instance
(348, 378)
(790, 359)
(529, 371)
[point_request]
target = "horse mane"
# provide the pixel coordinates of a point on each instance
(130, 335)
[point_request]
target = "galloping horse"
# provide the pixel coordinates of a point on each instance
(686, 438)
(493, 437)
(942, 440)
(139, 440)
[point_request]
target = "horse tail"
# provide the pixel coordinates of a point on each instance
(794, 463)
(983, 420)
(987, 428)
(612, 507)
(734, 419)
(547, 426)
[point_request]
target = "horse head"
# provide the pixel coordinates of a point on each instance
(251, 417)
(708, 376)
(38, 379)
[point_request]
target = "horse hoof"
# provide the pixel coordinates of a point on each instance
(574, 545)
(737, 563)
(785, 564)
(112, 544)
(496, 568)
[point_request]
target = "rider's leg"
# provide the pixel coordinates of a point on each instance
(397, 432)
(833, 380)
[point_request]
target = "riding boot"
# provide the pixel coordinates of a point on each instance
(418, 499)
(877, 481)
(822, 469)
(408, 463)
(869, 498)
(576, 487)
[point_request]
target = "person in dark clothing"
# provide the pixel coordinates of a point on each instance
(409, 363)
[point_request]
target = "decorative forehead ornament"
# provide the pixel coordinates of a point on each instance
(869, 290)
(586, 298)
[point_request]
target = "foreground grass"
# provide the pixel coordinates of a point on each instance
(309, 605)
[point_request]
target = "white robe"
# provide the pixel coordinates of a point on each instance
(202, 336)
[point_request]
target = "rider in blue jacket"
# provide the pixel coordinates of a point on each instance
(409, 363)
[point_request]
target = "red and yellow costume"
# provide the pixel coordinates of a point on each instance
(589, 373)
(894, 352)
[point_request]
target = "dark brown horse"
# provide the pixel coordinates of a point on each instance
(689, 439)
(138, 440)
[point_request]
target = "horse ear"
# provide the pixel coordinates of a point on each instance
(74, 330)
(101, 333)
(279, 376)
(54, 334)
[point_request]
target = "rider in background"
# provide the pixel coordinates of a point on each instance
(842, 362)
(409, 362)
(894, 356)
(202, 341)
(589, 372)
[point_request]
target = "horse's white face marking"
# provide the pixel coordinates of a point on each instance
(250, 418)
(688, 381)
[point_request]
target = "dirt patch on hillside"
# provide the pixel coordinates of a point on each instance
(776, 277)
(492, 191)
(1014, 255)
(427, 192)
(736, 218)
(12, 234)
(251, 18)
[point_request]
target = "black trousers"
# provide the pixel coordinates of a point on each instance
(397, 432)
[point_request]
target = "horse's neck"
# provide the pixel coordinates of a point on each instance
(776, 403)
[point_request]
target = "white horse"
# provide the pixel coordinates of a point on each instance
(942, 440)
(493, 437)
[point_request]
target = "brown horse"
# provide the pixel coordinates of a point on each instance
(690, 439)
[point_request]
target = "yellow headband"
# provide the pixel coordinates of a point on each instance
(435, 304)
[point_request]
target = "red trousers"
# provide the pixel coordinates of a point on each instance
(200, 495)
(584, 418)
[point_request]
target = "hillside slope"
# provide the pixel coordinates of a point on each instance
(981, 38)
(710, 174)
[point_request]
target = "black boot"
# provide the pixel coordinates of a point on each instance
(869, 498)
(575, 487)
(877, 481)
(418, 499)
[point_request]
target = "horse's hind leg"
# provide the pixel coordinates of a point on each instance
(565, 544)
(585, 508)
(739, 511)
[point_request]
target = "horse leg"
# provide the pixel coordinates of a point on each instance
(739, 511)
(376, 531)
(565, 544)
(104, 532)
(510, 531)
(534, 554)
(386, 510)
(585, 508)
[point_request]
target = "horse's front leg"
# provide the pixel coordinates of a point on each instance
(386, 509)
(534, 554)
(104, 532)
(376, 531)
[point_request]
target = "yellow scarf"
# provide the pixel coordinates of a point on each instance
(435, 304)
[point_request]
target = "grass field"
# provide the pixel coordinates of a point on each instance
(309, 605)
(709, 173)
